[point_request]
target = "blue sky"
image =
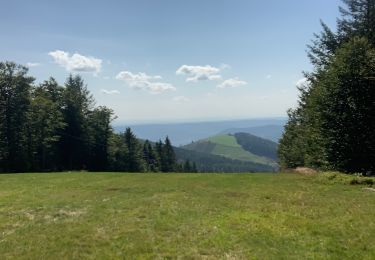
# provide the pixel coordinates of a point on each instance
(170, 60)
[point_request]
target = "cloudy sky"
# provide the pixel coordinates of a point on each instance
(170, 60)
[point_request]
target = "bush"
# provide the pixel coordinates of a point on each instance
(336, 177)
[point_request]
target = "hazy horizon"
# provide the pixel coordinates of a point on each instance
(117, 122)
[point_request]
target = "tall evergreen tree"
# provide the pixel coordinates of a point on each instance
(187, 167)
(169, 161)
(291, 150)
(117, 153)
(335, 109)
(347, 107)
(357, 20)
(194, 168)
(159, 150)
(15, 88)
(77, 102)
(150, 157)
(99, 130)
(134, 158)
(45, 123)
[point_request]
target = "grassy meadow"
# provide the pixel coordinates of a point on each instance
(227, 146)
(209, 216)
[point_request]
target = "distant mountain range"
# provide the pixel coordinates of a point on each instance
(240, 152)
(185, 133)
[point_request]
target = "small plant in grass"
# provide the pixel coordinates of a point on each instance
(336, 177)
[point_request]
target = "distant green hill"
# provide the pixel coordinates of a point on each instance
(240, 147)
(257, 145)
(207, 162)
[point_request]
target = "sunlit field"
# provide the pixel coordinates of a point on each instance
(230, 216)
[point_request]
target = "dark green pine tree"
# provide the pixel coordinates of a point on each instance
(150, 157)
(169, 161)
(357, 20)
(335, 110)
(99, 130)
(347, 107)
(159, 150)
(187, 167)
(15, 88)
(117, 153)
(194, 168)
(75, 141)
(45, 124)
(53, 91)
(291, 149)
(134, 157)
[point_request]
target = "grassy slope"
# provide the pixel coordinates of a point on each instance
(207, 162)
(227, 146)
(109, 215)
(227, 140)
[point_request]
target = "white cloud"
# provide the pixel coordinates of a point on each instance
(109, 92)
(76, 62)
(232, 83)
(137, 80)
(224, 66)
(215, 77)
(145, 82)
(32, 64)
(269, 76)
(199, 73)
(181, 99)
(159, 87)
(301, 83)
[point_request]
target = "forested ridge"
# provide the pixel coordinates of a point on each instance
(48, 127)
(332, 127)
(257, 145)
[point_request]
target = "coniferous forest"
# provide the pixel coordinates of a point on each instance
(48, 127)
(333, 126)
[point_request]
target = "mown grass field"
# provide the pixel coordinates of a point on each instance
(210, 216)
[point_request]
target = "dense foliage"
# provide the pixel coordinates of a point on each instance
(48, 127)
(257, 145)
(332, 127)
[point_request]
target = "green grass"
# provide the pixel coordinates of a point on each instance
(225, 216)
(227, 146)
(227, 140)
(238, 153)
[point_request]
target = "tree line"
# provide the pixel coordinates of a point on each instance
(333, 124)
(48, 127)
